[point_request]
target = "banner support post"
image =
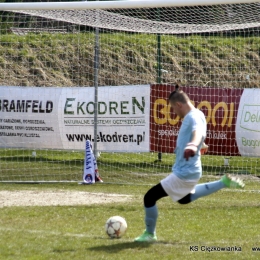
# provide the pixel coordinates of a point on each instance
(159, 69)
(96, 70)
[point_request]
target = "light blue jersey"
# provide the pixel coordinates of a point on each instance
(191, 169)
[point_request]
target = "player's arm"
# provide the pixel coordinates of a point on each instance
(192, 147)
(196, 138)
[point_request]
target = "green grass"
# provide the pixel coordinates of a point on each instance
(50, 165)
(227, 218)
(67, 59)
(76, 232)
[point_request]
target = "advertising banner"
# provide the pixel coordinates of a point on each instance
(29, 116)
(130, 118)
(63, 118)
(248, 123)
(123, 118)
(220, 106)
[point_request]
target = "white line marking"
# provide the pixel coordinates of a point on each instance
(47, 232)
(238, 190)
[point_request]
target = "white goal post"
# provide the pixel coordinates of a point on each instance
(125, 4)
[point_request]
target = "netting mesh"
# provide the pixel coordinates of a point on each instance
(163, 20)
(214, 48)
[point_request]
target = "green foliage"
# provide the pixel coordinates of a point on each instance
(190, 59)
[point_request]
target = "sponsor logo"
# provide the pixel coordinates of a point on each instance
(88, 178)
(104, 138)
(162, 112)
(26, 106)
(74, 107)
(250, 118)
(250, 143)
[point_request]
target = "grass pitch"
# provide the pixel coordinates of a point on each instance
(133, 168)
(225, 219)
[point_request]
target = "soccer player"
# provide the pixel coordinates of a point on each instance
(182, 185)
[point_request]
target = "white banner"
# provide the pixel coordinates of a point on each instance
(248, 123)
(63, 118)
(28, 117)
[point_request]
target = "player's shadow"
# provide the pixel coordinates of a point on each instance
(117, 247)
(114, 248)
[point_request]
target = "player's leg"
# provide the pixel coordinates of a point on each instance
(151, 213)
(202, 190)
(206, 189)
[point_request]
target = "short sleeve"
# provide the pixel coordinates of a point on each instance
(197, 121)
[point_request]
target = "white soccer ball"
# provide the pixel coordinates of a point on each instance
(116, 227)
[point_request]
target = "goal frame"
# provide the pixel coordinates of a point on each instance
(113, 5)
(127, 4)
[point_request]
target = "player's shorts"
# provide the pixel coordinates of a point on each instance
(177, 188)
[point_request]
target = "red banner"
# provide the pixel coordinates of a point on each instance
(220, 106)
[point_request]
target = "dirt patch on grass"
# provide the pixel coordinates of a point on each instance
(57, 198)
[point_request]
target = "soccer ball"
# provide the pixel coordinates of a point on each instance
(115, 227)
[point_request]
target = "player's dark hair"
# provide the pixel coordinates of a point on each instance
(178, 96)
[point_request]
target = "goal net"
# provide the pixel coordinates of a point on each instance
(51, 62)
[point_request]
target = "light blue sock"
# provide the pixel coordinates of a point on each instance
(205, 189)
(151, 215)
